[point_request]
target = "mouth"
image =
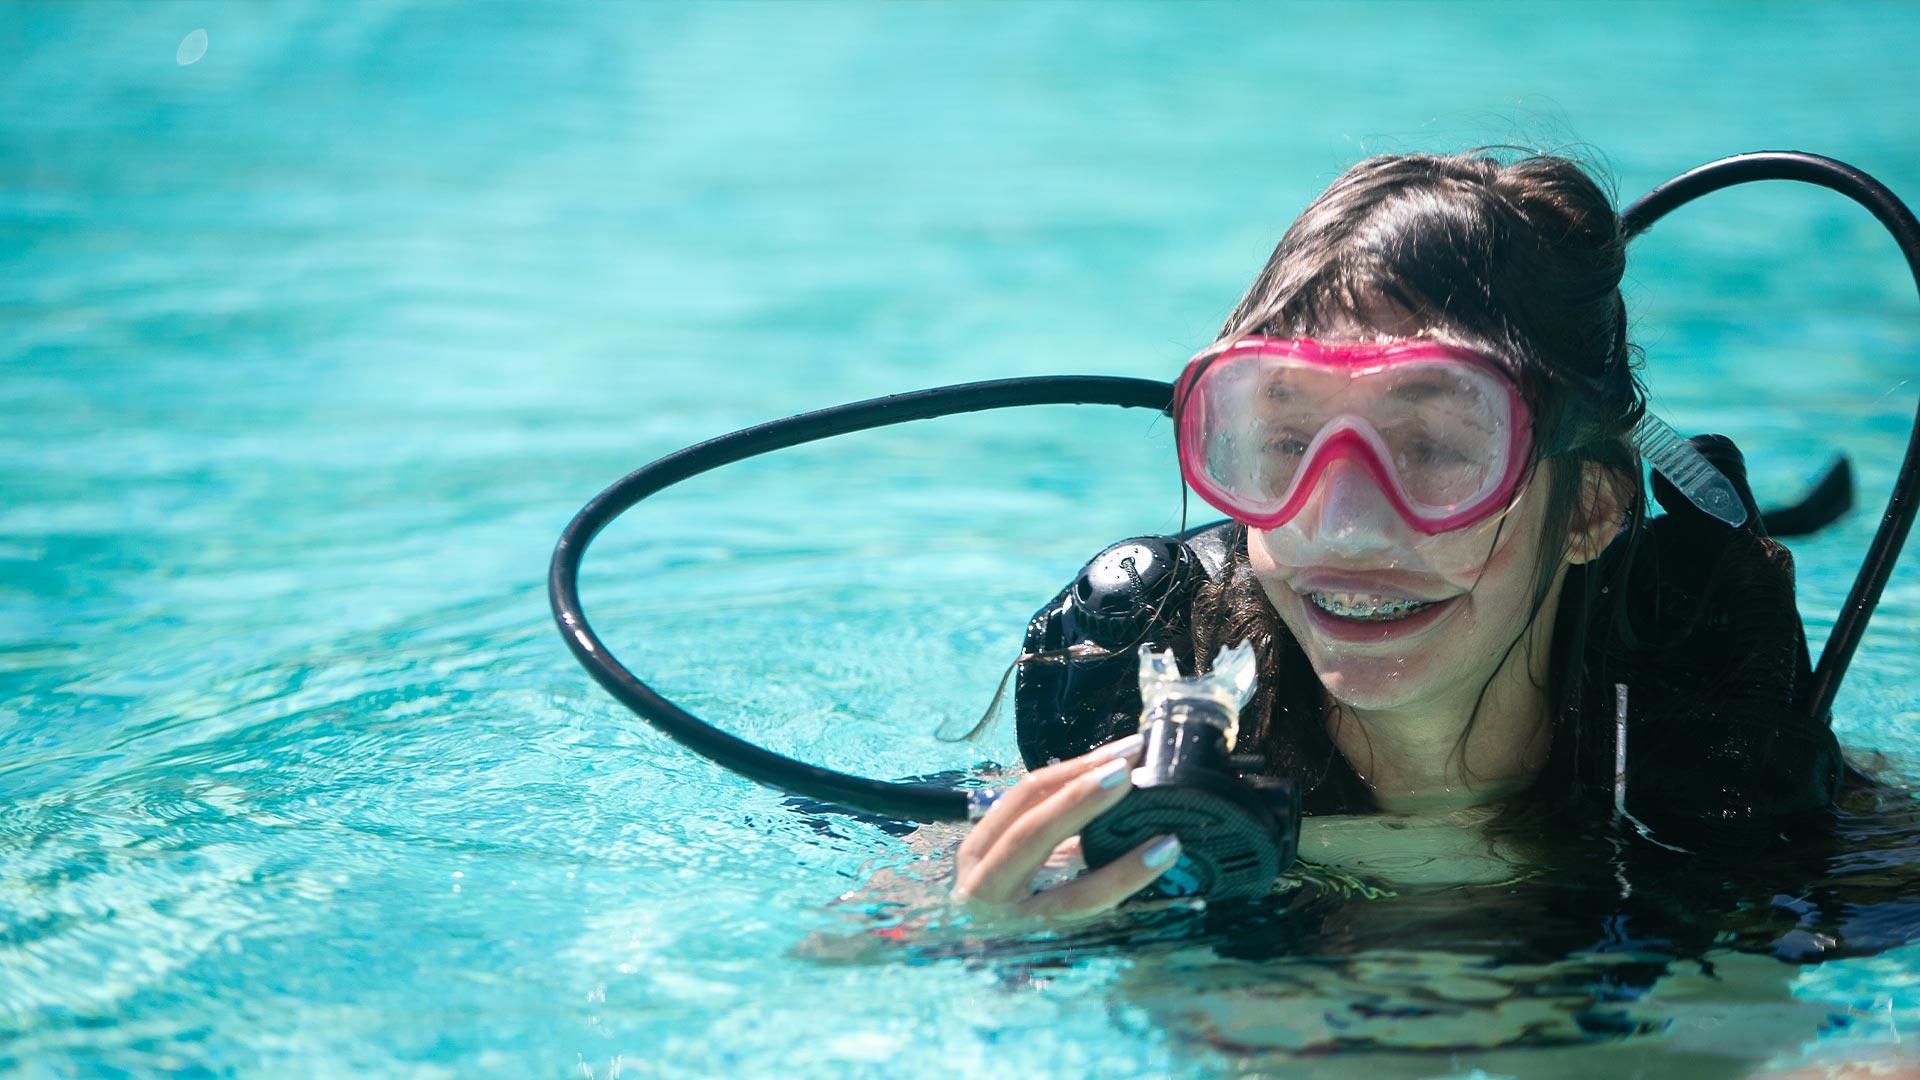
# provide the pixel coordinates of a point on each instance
(1365, 607)
(1361, 617)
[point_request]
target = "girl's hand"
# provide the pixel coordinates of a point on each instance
(1044, 811)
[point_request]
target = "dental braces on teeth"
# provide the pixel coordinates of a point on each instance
(1370, 607)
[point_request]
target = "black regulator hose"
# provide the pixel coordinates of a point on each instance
(924, 802)
(906, 802)
(1885, 206)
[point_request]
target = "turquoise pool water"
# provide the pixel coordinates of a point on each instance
(313, 344)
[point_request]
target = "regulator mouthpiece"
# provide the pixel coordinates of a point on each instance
(1215, 697)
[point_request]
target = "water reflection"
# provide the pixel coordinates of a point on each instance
(1416, 946)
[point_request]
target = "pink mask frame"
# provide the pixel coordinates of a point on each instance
(1346, 437)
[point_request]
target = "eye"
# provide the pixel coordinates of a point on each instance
(1285, 443)
(1437, 454)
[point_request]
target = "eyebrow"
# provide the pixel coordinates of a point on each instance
(1419, 389)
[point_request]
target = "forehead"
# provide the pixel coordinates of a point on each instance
(1447, 385)
(1374, 319)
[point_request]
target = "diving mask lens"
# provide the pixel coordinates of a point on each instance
(1442, 430)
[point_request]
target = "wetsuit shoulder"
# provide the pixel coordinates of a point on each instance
(1721, 740)
(1078, 681)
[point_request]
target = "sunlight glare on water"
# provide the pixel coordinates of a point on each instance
(192, 48)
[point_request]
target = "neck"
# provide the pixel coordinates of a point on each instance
(1460, 749)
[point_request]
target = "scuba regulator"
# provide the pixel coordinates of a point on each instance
(1238, 830)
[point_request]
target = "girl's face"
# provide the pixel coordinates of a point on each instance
(1346, 608)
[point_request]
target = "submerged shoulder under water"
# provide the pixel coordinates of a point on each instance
(1397, 938)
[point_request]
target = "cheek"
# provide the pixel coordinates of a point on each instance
(1502, 599)
(1272, 577)
(1273, 574)
(1260, 556)
(1505, 585)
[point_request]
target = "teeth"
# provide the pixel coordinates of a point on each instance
(1349, 605)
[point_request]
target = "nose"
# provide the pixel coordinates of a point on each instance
(1348, 512)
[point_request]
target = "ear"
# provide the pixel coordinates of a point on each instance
(1599, 516)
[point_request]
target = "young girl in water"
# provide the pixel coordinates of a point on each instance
(1419, 419)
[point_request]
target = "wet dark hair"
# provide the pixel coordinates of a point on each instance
(1517, 256)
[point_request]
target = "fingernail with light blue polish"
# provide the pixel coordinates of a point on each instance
(1161, 852)
(1125, 747)
(1113, 773)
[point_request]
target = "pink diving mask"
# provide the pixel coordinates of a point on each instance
(1415, 448)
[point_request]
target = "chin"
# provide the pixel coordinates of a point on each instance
(1373, 682)
(1365, 687)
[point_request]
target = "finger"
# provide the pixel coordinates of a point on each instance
(1066, 853)
(1004, 875)
(1090, 894)
(1035, 788)
(1038, 785)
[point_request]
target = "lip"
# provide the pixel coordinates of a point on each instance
(1393, 583)
(1353, 630)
